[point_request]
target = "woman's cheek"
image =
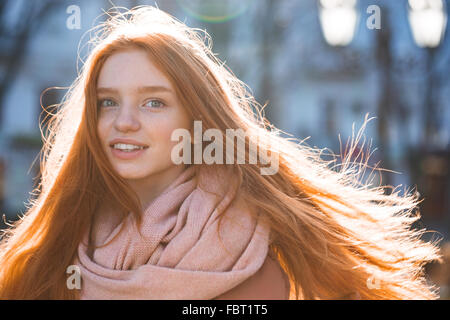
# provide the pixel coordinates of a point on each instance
(102, 131)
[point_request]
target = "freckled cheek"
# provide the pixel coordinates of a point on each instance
(103, 128)
(161, 134)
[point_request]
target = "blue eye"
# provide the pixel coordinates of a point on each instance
(154, 103)
(106, 103)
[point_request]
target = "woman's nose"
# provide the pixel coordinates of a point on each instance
(127, 119)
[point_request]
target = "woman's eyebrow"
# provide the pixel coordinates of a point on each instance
(145, 89)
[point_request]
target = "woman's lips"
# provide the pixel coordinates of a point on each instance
(127, 155)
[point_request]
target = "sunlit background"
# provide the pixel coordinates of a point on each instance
(319, 65)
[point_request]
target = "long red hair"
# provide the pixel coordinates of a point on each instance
(331, 232)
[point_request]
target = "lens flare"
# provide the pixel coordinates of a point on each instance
(214, 11)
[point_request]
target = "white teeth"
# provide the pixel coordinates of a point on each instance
(122, 146)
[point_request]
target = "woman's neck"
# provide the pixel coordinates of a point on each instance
(149, 188)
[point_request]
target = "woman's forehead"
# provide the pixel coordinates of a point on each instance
(132, 70)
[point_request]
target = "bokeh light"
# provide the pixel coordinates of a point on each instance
(338, 19)
(428, 20)
(214, 11)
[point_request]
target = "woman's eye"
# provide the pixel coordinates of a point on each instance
(154, 103)
(106, 103)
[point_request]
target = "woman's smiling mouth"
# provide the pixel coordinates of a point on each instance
(128, 152)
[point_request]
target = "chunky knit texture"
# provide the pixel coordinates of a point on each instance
(176, 253)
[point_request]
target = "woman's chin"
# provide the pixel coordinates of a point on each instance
(131, 175)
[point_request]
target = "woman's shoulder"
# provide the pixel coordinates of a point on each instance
(270, 282)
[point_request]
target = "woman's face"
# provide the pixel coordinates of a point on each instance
(137, 102)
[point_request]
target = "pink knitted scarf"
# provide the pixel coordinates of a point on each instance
(178, 253)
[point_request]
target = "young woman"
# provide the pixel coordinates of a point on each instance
(117, 205)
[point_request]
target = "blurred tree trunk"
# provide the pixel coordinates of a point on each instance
(434, 156)
(220, 34)
(430, 109)
(15, 35)
(271, 34)
(386, 103)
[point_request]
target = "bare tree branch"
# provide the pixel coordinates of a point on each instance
(15, 38)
